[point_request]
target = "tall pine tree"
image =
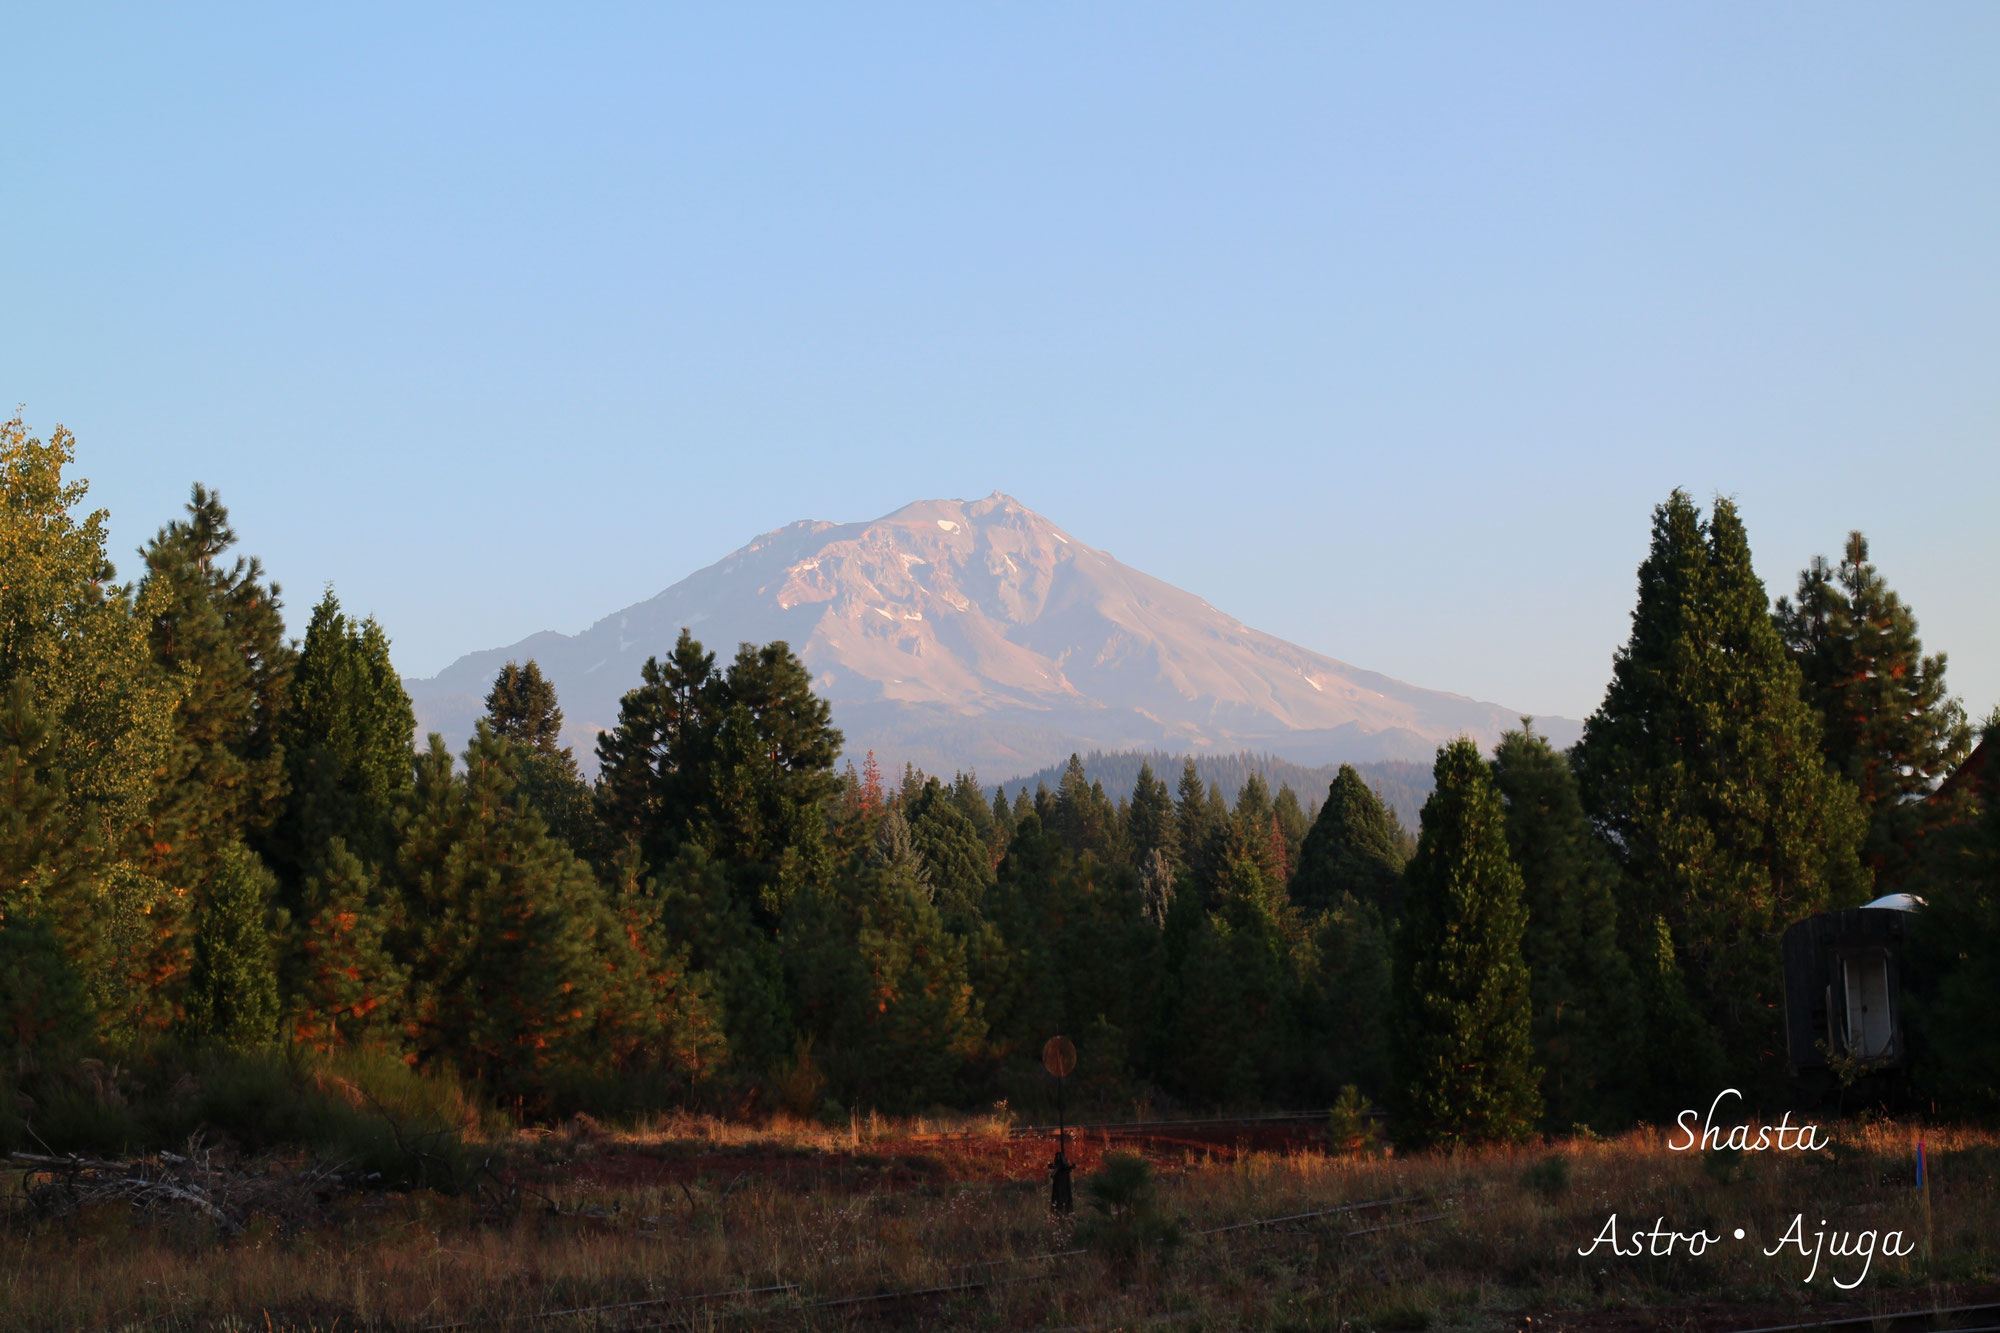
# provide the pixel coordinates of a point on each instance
(655, 766)
(1888, 725)
(1465, 1069)
(1703, 768)
(521, 709)
(216, 627)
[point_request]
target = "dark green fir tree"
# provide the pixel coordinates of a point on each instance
(655, 766)
(1237, 1038)
(348, 734)
(1149, 822)
(1703, 769)
(1353, 848)
(232, 993)
(521, 709)
(1464, 1018)
(951, 854)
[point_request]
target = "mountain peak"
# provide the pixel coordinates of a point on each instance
(957, 633)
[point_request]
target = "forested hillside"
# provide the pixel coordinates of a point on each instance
(218, 840)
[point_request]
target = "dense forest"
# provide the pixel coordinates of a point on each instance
(220, 841)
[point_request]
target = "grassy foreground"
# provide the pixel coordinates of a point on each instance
(809, 1217)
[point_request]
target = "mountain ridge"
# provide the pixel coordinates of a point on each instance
(962, 634)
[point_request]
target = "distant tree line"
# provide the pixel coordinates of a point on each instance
(1401, 784)
(217, 836)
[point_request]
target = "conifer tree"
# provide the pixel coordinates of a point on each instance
(1149, 823)
(881, 988)
(342, 987)
(892, 849)
(1190, 818)
(1583, 991)
(951, 854)
(1352, 848)
(215, 627)
(1345, 998)
(970, 799)
(871, 785)
(736, 959)
(1236, 1030)
(1156, 886)
(742, 762)
(521, 708)
(1465, 1071)
(1292, 821)
(1888, 726)
(659, 1024)
(1077, 946)
(1253, 803)
(1208, 837)
(348, 736)
(1045, 809)
(510, 939)
(1082, 815)
(1704, 771)
(232, 994)
(794, 726)
(654, 767)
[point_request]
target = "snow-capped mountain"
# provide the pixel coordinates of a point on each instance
(961, 634)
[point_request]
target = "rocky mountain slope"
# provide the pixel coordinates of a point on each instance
(978, 634)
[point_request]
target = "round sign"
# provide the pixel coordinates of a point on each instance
(1059, 1056)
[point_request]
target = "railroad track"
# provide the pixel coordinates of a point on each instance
(1981, 1318)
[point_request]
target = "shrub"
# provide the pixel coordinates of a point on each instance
(360, 1111)
(1549, 1177)
(1350, 1125)
(1125, 1223)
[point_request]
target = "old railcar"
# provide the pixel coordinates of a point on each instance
(1844, 987)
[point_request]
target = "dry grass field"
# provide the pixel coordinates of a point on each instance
(699, 1223)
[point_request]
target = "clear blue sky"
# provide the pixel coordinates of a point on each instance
(1381, 327)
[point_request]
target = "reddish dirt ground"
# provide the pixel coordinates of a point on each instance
(902, 1163)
